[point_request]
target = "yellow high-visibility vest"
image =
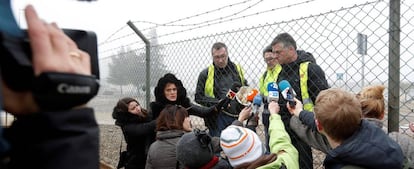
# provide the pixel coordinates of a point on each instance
(267, 77)
(303, 73)
(209, 86)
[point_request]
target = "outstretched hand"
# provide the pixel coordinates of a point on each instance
(273, 107)
(263, 160)
(245, 113)
(296, 109)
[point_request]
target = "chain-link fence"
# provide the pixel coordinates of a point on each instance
(331, 37)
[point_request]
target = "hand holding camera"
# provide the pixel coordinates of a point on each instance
(58, 76)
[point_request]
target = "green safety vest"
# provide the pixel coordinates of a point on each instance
(208, 87)
(303, 73)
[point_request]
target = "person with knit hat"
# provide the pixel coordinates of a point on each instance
(197, 150)
(244, 149)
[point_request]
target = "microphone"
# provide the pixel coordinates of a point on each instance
(246, 94)
(257, 102)
(252, 95)
(253, 119)
(233, 90)
(273, 92)
(287, 92)
(231, 94)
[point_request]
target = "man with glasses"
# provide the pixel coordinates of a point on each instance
(306, 78)
(213, 84)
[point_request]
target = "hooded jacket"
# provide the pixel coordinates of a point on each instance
(139, 134)
(360, 149)
(368, 147)
(316, 83)
(290, 72)
(161, 101)
(162, 153)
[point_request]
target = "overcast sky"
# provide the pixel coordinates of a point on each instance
(105, 17)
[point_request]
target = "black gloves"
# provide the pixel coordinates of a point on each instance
(223, 103)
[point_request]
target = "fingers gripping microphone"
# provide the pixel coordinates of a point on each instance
(287, 92)
(273, 92)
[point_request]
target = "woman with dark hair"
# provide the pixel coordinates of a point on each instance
(170, 90)
(172, 123)
(138, 128)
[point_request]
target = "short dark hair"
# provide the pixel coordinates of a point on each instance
(217, 46)
(171, 118)
(268, 48)
(286, 39)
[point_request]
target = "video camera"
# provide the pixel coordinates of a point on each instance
(17, 72)
(16, 57)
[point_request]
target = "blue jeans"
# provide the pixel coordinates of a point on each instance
(223, 121)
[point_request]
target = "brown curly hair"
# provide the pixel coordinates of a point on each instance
(372, 101)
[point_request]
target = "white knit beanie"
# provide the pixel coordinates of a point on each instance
(240, 145)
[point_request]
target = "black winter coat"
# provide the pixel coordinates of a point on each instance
(50, 140)
(139, 134)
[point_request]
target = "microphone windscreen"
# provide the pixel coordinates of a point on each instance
(257, 100)
(284, 84)
(273, 92)
(251, 95)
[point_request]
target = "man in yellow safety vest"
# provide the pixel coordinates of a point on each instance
(213, 85)
(306, 78)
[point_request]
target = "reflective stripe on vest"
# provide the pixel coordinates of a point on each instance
(303, 74)
(267, 77)
(209, 86)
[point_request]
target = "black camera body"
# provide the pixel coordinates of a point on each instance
(17, 72)
(16, 57)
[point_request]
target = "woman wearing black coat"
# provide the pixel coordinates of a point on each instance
(138, 127)
(170, 90)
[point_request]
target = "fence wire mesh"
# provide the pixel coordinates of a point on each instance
(331, 37)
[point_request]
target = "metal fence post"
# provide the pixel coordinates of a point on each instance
(394, 67)
(147, 61)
